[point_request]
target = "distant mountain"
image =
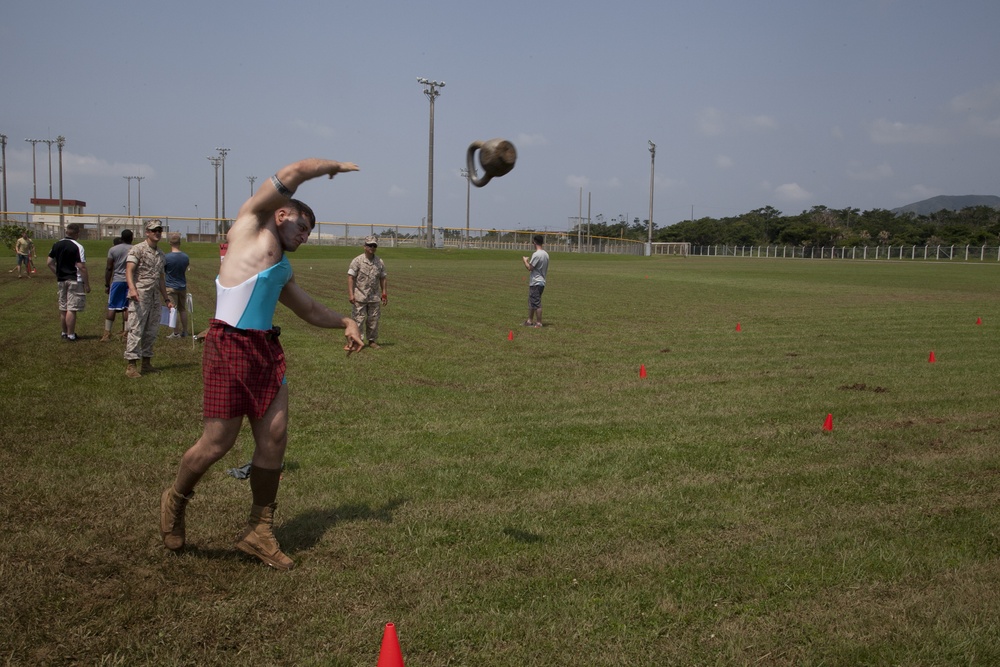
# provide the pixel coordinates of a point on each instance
(944, 202)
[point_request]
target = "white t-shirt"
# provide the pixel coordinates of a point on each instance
(539, 267)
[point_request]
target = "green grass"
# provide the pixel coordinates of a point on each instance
(531, 502)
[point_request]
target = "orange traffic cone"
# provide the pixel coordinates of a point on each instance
(510, 335)
(979, 320)
(642, 370)
(738, 327)
(931, 358)
(828, 424)
(390, 655)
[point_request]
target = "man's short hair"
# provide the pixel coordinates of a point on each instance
(538, 239)
(175, 238)
(74, 227)
(303, 209)
(127, 236)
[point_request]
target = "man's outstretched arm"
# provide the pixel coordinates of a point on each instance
(276, 191)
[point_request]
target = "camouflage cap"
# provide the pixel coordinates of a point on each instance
(153, 224)
(371, 240)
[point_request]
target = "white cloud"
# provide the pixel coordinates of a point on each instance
(760, 122)
(876, 173)
(577, 182)
(530, 140)
(615, 182)
(724, 162)
(317, 129)
(711, 122)
(837, 133)
(883, 131)
(985, 99)
(792, 192)
(396, 191)
(88, 165)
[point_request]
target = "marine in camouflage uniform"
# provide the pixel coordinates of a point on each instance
(146, 288)
(366, 290)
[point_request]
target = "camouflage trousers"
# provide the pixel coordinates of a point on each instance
(143, 325)
(366, 315)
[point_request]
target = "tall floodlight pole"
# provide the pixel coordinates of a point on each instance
(3, 168)
(431, 91)
(251, 179)
(50, 142)
(222, 154)
(60, 142)
(652, 161)
(216, 161)
(34, 179)
(138, 192)
(128, 179)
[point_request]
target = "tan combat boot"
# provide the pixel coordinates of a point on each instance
(258, 540)
(172, 505)
(147, 365)
(131, 371)
(105, 337)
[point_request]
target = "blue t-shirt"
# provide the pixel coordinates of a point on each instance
(175, 264)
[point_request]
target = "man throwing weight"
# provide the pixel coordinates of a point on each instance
(243, 363)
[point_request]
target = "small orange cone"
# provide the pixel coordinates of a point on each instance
(738, 327)
(828, 424)
(931, 358)
(390, 655)
(979, 320)
(510, 335)
(642, 370)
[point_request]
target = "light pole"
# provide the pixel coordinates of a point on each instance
(3, 168)
(34, 181)
(138, 192)
(431, 91)
(60, 142)
(468, 180)
(251, 179)
(129, 179)
(50, 142)
(652, 161)
(216, 161)
(222, 154)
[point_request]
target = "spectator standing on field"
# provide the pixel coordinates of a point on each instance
(175, 266)
(146, 286)
(68, 261)
(243, 365)
(366, 290)
(538, 265)
(24, 249)
(115, 284)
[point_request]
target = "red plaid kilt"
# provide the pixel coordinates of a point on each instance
(242, 370)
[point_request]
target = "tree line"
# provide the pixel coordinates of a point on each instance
(818, 226)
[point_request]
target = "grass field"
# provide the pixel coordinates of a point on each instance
(534, 501)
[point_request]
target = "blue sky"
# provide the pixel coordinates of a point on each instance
(792, 104)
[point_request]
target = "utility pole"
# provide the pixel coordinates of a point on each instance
(50, 142)
(129, 179)
(251, 179)
(468, 180)
(216, 161)
(431, 91)
(138, 191)
(3, 169)
(222, 154)
(60, 142)
(34, 180)
(652, 160)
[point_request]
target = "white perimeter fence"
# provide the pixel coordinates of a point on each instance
(967, 253)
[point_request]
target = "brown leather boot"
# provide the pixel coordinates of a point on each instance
(147, 365)
(258, 540)
(172, 505)
(132, 371)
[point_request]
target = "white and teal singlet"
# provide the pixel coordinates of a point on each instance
(251, 304)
